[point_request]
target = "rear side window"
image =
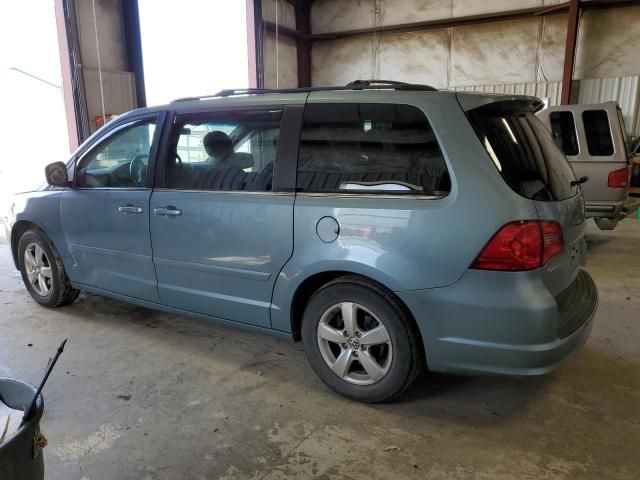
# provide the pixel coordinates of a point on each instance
(523, 151)
(223, 151)
(563, 129)
(370, 148)
(598, 133)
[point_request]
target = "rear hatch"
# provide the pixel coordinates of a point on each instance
(531, 163)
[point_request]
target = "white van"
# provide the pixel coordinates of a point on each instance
(594, 139)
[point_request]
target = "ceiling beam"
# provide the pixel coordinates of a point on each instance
(286, 31)
(417, 26)
(448, 22)
(484, 18)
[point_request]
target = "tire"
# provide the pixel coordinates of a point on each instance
(56, 289)
(605, 223)
(397, 355)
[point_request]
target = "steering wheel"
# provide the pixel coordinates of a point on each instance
(138, 170)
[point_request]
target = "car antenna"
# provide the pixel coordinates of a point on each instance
(28, 413)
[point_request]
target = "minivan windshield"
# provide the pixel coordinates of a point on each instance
(523, 150)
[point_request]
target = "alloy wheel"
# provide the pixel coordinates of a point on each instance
(38, 269)
(354, 343)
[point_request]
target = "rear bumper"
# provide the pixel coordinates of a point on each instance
(502, 323)
(609, 209)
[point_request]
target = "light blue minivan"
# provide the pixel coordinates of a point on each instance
(388, 226)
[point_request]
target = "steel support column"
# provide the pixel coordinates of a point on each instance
(71, 68)
(303, 24)
(570, 51)
(133, 43)
(254, 43)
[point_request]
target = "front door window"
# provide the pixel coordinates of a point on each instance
(119, 162)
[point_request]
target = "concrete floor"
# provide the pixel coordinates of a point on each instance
(145, 395)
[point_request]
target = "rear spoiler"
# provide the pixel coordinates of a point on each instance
(490, 101)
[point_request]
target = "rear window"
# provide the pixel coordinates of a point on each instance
(523, 151)
(598, 133)
(370, 148)
(563, 129)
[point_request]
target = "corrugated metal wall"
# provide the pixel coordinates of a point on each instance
(118, 84)
(119, 90)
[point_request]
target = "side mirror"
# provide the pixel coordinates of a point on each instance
(56, 174)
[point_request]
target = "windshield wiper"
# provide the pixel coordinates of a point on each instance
(579, 181)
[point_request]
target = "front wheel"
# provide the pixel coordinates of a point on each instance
(42, 271)
(360, 341)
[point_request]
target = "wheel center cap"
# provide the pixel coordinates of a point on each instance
(354, 342)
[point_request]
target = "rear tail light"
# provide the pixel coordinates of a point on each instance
(552, 241)
(619, 178)
(522, 245)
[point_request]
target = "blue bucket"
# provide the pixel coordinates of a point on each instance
(21, 455)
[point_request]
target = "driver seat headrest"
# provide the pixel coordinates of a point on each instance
(216, 141)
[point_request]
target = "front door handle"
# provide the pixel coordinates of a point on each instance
(167, 211)
(129, 209)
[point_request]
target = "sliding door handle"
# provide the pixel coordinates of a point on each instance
(129, 209)
(167, 211)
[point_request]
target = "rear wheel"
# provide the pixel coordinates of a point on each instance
(605, 223)
(42, 271)
(359, 340)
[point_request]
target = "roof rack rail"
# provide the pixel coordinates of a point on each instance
(390, 83)
(355, 85)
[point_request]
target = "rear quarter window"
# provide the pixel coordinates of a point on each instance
(563, 129)
(370, 148)
(598, 133)
(523, 151)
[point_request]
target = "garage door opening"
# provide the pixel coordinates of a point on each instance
(33, 116)
(197, 49)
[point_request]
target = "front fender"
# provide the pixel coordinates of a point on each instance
(41, 209)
